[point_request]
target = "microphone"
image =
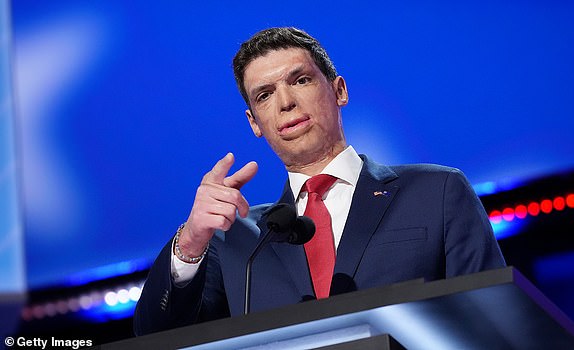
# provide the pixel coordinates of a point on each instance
(280, 219)
(303, 231)
(284, 227)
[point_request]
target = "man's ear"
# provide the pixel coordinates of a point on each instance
(253, 123)
(340, 88)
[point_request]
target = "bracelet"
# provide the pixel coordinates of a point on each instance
(187, 259)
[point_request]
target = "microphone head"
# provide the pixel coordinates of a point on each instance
(281, 218)
(303, 230)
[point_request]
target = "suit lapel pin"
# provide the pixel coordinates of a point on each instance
(379, 193)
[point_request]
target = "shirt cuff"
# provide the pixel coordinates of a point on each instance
(182, 272)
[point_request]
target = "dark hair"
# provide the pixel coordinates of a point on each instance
(274, 39)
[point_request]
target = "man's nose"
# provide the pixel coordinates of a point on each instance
(287, 101)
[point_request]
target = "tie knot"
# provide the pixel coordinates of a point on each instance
(319, 184)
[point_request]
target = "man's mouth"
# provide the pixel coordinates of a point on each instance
(293, 125)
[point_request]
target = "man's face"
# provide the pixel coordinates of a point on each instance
(295, 107)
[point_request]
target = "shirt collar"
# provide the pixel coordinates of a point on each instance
(346, 167)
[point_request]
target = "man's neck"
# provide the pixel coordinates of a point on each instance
(317, 165)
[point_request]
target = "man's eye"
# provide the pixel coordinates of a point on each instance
(303, 80)
(263, 96)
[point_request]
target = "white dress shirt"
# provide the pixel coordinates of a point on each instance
(346, 167)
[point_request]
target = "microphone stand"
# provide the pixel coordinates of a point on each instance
(284, 226)
(265, 240)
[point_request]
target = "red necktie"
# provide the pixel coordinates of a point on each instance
(321, 249)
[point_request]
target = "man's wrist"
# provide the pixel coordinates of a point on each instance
(179, 254)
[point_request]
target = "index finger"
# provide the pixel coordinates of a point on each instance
(219, 171)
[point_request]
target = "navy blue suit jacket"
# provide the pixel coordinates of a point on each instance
(405, 222)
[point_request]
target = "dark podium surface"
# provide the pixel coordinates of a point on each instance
(497, 309)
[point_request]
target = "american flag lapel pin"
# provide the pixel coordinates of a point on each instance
(379, 193)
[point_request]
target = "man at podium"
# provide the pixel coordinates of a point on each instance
(376, 224)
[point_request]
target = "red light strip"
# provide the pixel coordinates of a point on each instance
(521, 211)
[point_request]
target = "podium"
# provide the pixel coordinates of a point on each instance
(496, 309)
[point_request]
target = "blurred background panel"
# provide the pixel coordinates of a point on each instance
(12, 271)
(11, 251)
(122, 107)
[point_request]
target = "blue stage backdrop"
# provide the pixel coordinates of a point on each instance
(123, 106)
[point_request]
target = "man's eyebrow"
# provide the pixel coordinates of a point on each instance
(295, 72)
(255, 91)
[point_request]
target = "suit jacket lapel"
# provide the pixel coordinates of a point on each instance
(371, 199)
(292, 257)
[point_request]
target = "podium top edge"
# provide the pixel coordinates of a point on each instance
(403, 292)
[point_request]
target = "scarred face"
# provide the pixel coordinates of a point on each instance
(296, 108)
